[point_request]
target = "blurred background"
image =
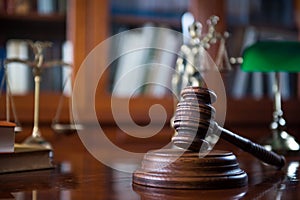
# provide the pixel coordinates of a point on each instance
(75, 27)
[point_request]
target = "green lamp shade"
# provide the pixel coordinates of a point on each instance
(272, 56)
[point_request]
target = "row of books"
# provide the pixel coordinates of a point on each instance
(145, 61)
(154, 8)
(140, 70)
(259, 85)
(20, 76)
(33, 6)
(260, 12)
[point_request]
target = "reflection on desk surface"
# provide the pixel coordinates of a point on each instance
(79, 175)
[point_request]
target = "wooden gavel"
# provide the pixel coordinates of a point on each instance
(194, 119)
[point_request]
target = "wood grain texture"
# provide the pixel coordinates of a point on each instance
(216, 170)
(84, 177)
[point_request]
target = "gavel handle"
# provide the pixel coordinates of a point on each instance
(260, 152)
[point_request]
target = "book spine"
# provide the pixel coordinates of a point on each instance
(62, 6)
(18, 75)
(298, 85)
(163, 62)
(2, 69)
(241, 81)
(285, 88)
(67, 57)
(17, 6)
(132, 65)
(46, 6)
(257, 85)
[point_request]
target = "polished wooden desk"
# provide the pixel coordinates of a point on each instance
(79, 175)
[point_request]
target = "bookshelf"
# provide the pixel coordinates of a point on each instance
(24, 20)
(237, 108)
(139, 106)
(87, 23)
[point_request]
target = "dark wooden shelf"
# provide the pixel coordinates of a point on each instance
(24, 105)
(88, 24)
(251, 111)
(33, 26)
(239, 112)
(34, 17)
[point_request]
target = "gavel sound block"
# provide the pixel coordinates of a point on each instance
(192, 165)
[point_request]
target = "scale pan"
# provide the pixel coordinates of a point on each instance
(65, 128)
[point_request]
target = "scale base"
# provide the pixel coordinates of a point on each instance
(66, 128)
(37, 140)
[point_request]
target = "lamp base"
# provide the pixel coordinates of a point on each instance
(173, 168)
(281, 142)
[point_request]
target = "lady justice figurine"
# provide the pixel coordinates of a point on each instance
(191, 60)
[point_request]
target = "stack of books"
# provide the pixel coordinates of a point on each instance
(7, 137)
(21, 157)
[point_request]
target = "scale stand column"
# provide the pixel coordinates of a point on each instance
(280, 141)
(36, 137)
(36, 130)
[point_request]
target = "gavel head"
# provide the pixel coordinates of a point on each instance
(193, 118)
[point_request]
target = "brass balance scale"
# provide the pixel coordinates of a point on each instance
(37, 65)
